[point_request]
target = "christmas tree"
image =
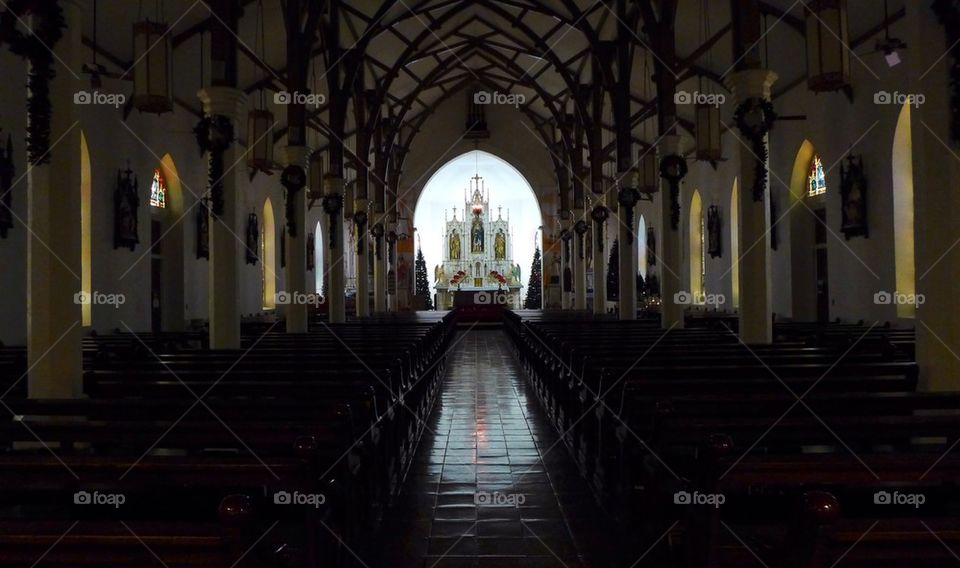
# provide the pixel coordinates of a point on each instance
(423, 285)
(534, 299)
(613, 272)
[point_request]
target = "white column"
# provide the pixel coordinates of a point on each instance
(670, 243)
(223, 290)
(54, 331)
(628, 255)
(296, 261)
(579, 264)
(379, 266)
(336, 285)
(362, 270)
(599, 261)
(756, 311)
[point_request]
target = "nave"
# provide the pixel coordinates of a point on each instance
(492, 484)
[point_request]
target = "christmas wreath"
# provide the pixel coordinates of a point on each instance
(755, 118)
(360, 220)
(581, 229)
(37, 47)
(215, 134)
(376, 231)
(628, 197)
(332, 204)
(293, 179)
(673, 168)
(599, 214)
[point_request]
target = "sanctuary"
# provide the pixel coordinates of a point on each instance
(478, 265)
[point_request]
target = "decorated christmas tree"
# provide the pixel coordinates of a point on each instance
(534, 299)
(423, 285)
(613, 272)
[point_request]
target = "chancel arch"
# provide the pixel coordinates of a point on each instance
(735, 243)
(319, 271)
(804, 255)
(167, 242)
(642, 246)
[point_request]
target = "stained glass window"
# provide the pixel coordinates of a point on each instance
(817, 180)
(158, 190)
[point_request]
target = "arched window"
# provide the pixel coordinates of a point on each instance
(698, 261)
(158, 190)
(318, 271)
(86, 189)
(735, 243)
(816, 179)
(268, 253)
(642, 247)
(903, 221)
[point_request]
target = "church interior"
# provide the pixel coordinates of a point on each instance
(230, 338)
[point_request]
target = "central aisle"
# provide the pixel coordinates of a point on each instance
(491, 485)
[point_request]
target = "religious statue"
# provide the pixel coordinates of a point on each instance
(516, 273)
(439, 274)
(454, 246)
(500, 246)
(476, 236)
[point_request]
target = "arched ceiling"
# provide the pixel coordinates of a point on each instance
(418, 53)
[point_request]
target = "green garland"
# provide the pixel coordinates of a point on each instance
(757, 135)
(37, 48)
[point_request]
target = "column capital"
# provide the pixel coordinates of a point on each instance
(751, 83)
(296, 155)
(225, 101)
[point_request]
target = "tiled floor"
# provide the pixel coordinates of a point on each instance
(492, 486)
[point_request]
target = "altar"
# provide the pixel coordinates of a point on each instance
(474, 273)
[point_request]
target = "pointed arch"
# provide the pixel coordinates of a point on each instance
(268, 255)
(696, 248)
(903, 219)
(172, 301)
(735, 243)
(86, 230)
(803, 254)
(642, 247)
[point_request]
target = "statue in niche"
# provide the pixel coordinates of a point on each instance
(500, 246)
(476, 241)
(454, 246)
(253, 239)
(126, 202)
